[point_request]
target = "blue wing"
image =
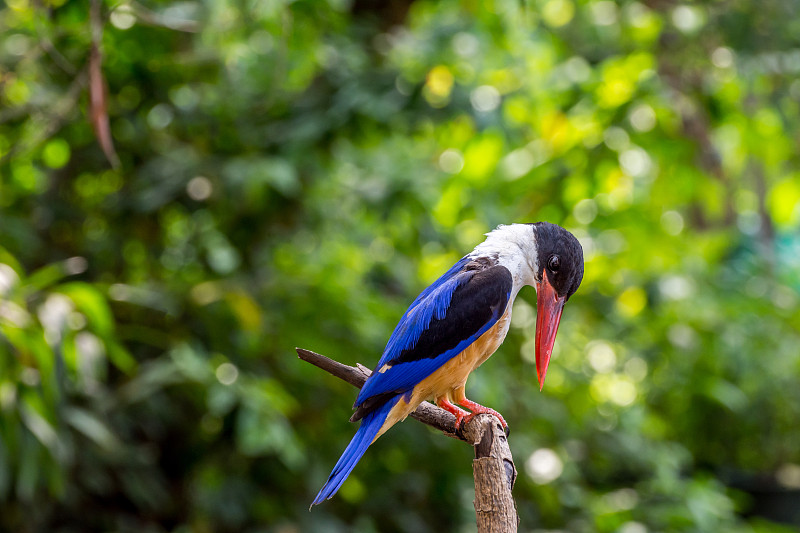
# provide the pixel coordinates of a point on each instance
(444, 319)
(431, 303)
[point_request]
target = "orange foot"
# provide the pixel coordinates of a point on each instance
(464, 417)
(478, 409)
(459, 413)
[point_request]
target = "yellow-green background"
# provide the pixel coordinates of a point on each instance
(294, 173)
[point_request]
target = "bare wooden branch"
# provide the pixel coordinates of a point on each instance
(495, 474)
(493, 467)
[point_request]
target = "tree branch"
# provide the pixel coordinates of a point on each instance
(493, 467)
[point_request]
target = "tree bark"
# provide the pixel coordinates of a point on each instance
(493, 467)
(495, 474)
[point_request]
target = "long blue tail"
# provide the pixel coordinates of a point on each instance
(370, 425)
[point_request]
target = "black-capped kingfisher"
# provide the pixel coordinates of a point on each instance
(457, 323)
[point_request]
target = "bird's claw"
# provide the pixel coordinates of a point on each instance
(464, 417)
(478, 409)
(462, 421)
(467, 419)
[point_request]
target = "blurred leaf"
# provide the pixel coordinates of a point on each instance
(98, 106)
(88, 424)
(91, 302)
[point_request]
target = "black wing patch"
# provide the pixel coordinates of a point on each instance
(472, 306)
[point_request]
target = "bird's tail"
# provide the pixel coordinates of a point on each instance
(370, 425)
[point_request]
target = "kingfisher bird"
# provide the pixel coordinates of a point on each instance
(455, 324)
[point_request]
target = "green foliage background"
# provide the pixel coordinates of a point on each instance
(292, 173)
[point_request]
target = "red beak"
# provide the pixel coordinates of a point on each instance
(548, 315)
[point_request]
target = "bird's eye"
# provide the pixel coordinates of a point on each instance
(554, 263)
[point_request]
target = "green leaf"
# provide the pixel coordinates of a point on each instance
(91, 302)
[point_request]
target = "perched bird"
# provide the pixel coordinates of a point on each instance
(456, 324)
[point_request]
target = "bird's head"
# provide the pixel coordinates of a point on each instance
(558, 274)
